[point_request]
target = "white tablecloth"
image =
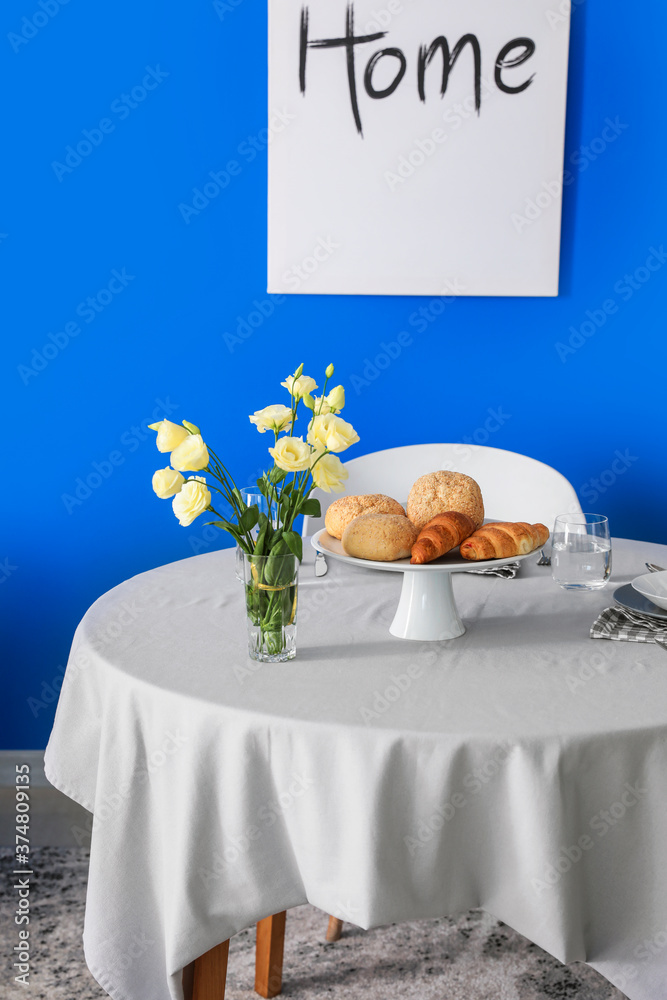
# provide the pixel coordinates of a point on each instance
(520, 768)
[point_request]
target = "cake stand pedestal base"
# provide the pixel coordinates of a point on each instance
(427, 609)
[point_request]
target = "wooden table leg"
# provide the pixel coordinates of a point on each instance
(206, 981)
(269, 955)
(335, 929)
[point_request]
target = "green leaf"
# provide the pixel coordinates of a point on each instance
(227, 526)
(249, 518)
(275, 538)
(310, 507)
(277, 475)
(294, 543)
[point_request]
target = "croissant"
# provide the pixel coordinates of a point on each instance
(442, 533)
(504, 538)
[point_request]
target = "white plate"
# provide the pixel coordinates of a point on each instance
(653, 586)
(631, 599)
(452, 562)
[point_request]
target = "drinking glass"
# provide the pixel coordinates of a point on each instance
(581, 551)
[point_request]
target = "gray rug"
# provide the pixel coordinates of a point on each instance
(471, 957)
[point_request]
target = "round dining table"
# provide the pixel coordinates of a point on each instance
(520, 768)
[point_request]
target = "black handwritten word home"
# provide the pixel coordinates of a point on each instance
(513, 54)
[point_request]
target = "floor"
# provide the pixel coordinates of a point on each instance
(472, 957)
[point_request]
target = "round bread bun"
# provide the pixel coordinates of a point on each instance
(384, 537)
(344, 510)
(438, 492)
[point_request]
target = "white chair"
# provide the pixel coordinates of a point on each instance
(514, 487)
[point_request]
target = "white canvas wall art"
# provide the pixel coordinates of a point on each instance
(416, 146)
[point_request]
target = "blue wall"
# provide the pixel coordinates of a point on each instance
(160, 339)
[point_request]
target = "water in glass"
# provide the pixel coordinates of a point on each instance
(581, 551)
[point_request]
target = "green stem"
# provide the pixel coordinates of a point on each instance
(324, 389)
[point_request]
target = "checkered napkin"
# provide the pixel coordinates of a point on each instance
(617, 623)
(507, 572)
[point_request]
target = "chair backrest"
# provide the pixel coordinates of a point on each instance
(514, 487)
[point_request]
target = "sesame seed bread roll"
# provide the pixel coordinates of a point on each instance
(384, 537)
(438, 492)
(345, 509)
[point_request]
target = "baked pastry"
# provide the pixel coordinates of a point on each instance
(438, 492)
(384, 537)
(504, 538)
(345, 509)
(442, 533)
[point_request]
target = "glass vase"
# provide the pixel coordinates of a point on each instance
(271, 587)
(253, 498)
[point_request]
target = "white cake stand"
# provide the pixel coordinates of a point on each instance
(426, 609)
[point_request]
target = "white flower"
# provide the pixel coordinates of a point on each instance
(191, 455)
(318, 404)
(298, 387)
(331, 433)
(167, 482)
(169, 435)
(272, 418)
(336, 399)
(291, 454)
(192, 501)
(328, 473)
